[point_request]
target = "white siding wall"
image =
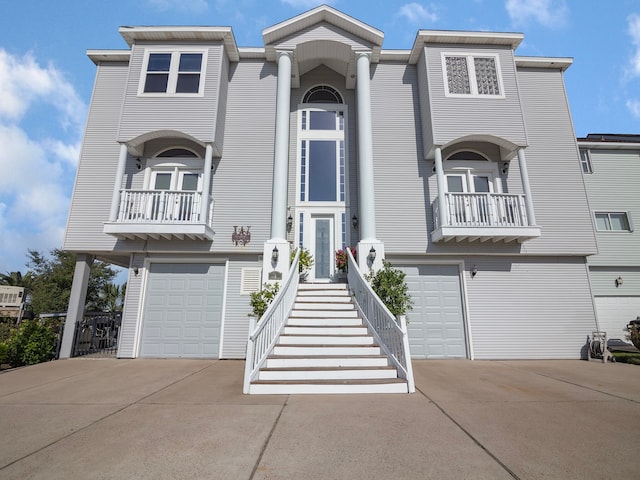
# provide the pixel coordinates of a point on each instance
(457, 117)
(528, 307)
(93, 189)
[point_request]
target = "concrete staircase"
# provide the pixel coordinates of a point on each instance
(325, 348)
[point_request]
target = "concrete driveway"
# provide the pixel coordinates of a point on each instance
(188, 419)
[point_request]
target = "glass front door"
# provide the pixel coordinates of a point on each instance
(322, 247)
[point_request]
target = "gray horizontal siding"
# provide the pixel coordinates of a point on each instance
(458, 117)
(425, 105)
(614, 187)
(195, 116)
(237, 309)
(603, 280)
(132, 306)
(400, 170)
(93, 189)
(323, 31)
(557, 187)
(529, 307)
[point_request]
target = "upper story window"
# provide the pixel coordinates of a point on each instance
(322, 94)
(472, 75)
(613, 222)
(173, 72)
(585, 161)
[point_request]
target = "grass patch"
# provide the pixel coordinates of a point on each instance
(626, 357)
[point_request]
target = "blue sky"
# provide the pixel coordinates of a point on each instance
(46, 78)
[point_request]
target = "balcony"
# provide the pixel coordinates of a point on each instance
(156, 214)
(482, 216)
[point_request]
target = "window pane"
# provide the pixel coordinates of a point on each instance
(156, 83)
(454, 184)
(457, 75)
(602, 221)
(322, 120)
(163, 181)
(322, 171)
(188, 83)
(481, 184)
(159, 62)
(486, 75)
(190, 182)
(190, 62)
(619, 221)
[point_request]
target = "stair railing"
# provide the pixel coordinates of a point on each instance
(264, 335)
(390, 332)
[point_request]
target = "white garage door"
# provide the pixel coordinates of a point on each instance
(436, 323)
(614, 313)
(183, 311)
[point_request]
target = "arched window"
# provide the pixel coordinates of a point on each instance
(177, 152)
(467, 155)
(322, 94)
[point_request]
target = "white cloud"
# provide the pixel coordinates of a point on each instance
(189, 6)
(417, 14)
(634, 107)
(37, 168)
(634, 33)
(548, 13)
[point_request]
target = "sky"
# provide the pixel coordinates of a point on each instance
(46, 79)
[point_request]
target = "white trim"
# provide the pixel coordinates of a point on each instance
(173, 71)
(223, 310)
(471, 69)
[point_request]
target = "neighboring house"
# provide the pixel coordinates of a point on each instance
(611, 172)
(454, 159)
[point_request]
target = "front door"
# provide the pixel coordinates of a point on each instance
(322, 247)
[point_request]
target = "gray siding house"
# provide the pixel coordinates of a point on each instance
(611, 163)
(455, 159)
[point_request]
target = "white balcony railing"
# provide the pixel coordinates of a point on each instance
(159, 206)
(483, 210)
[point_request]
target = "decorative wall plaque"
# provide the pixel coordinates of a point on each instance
(242, 236)
(275, 275)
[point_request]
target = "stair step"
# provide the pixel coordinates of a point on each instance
(324, 322)
(325, 330)
(342, 306)
(324, 313)
(327, 373)
(347, 386)
(322, 286)
(324, 299)
(328, 340)
(292, 361)
(323, 350)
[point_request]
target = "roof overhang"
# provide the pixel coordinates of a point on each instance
(182, 34)
(552, 63)
(458, 37)
(98, 56)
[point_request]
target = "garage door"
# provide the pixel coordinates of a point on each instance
(183, 311)
(436, 323)
(614, 313)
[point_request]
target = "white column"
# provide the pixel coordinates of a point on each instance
(206, 185)
(281, 153)
(526, 188)
(77, 299)
(117, 184)
(440, 180)
(366, 198)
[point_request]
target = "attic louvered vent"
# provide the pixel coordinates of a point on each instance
(250, 280)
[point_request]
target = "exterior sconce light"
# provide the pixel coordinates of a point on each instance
(505, 168)
(354, 221)
(372, 254)
(474, 271)
(275, 255)
(138, 163)
(289, 223)
(618, 281)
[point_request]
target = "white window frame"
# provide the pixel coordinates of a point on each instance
(469, 169)
(609, 213)
(585, 161)
(173, 72)
(177, 167)
(473, 83)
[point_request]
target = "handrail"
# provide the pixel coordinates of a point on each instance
(390, 332)
(160, 206)
(264, 335)
(482, 210)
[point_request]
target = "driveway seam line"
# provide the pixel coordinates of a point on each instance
(99, 420)
(468, 434)
(267, 440)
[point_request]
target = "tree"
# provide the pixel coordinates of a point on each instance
(16, 279)
(53, 277)
(112, 297)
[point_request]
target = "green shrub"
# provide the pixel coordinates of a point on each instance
(389, 284)
(3, 352)
(627, 357)
(33, 342)
(306, 259)
(261, 299)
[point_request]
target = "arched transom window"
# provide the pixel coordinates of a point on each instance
(322, 94)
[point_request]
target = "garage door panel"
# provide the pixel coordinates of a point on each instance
(436, 323)
(183, 311)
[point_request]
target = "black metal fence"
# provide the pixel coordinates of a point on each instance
(97, 334)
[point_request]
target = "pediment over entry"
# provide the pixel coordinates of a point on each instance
(323, 36)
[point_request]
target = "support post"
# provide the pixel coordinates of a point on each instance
(206, 185)
(440, 180)
(117, 184)
(526, 188)
(77, 300)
